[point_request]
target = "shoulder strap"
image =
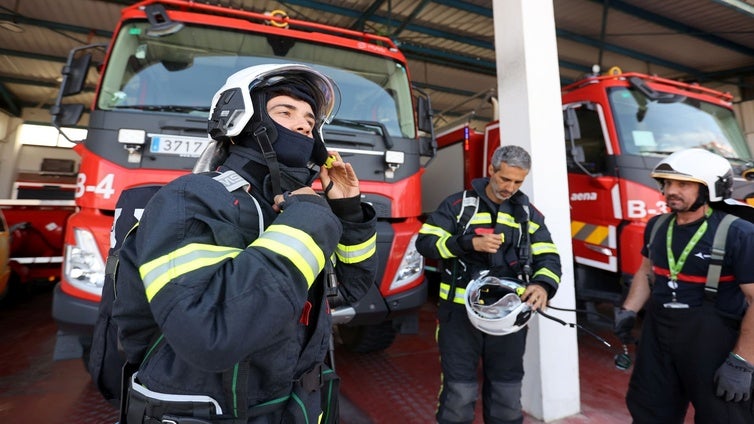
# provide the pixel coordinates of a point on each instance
(524, 245)
(469, 208)
(661, 220)
(718, 252)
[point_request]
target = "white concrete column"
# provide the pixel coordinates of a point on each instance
(531, 117)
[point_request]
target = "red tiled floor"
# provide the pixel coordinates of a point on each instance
(398, 385)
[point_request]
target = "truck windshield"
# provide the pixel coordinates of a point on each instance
(648, 127)
(179, 73)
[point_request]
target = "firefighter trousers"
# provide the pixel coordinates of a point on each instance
(461, 347)
(677, 356)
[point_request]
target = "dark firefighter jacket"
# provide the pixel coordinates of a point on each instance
(441, 239)
(198, 272)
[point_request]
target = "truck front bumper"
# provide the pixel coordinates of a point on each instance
(75, 319)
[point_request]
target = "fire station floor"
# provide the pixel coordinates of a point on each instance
(398, 385)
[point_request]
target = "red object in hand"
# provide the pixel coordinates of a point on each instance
(480, 231)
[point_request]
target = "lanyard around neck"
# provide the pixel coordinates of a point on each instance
(676, 267)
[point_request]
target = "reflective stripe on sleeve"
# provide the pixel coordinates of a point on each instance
(547, 273)
(442, 236)
(156, 273)
(358, 252)
(541, 248)
(296, 246)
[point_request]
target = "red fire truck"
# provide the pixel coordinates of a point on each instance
(618, 127)
(148, 124)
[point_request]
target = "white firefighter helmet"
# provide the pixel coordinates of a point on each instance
(494, 305)
(233, 106)
(700, 166)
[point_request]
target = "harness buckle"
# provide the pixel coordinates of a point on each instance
(312, 380)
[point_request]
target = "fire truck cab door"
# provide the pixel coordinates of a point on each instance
(593, 187)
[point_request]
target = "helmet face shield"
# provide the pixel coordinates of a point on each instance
(494, 306)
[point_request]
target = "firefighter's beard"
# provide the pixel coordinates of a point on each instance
(679, 204)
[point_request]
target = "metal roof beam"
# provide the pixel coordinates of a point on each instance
(679, 27)
(626, 52)
(419, 7)
(35, 56)
(738, 6)
(367, 15)
(391, 22)
(20, 19)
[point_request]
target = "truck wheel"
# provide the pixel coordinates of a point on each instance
(367, 338)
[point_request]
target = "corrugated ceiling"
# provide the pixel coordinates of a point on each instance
(449, 43)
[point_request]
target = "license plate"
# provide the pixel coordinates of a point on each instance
(178, 145)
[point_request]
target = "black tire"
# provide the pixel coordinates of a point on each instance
(367, 338)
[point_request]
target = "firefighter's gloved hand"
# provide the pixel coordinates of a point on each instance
(624, 322)
(733, 379)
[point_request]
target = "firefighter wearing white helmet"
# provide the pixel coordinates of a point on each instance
(697, 345)
(699, 166)
(225, 292)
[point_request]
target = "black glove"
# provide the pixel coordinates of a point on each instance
(624, 323)
(733, 379)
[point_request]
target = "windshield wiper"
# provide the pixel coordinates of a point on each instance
(373, 127)
(165, 108)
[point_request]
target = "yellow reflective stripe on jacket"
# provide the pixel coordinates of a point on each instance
(459, 294)
(543, 247)
(481, 218)
(442, 236)
(533, 227)
(547, 273)
(507, 219)
(156, 273)
(296, 246)
(357, 252)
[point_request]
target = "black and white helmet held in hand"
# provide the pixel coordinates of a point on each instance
(239, 106)
(494, 305)
(700, 166)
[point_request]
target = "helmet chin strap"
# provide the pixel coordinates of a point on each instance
(263, 139)
(701, 199)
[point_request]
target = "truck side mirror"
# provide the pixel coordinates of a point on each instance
(424, 112)
(74, 75)
(571, 124)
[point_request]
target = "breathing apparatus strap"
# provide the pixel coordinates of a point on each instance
(469, 208)
(260, 134)
(524, 245)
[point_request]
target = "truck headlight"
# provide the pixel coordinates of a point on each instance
(411, 267)
(83, 266)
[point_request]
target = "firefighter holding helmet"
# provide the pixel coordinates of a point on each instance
(221, 288)
(499, 264)
(696, 345)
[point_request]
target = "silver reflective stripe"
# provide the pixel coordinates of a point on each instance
(174, 398)
(231, 180)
